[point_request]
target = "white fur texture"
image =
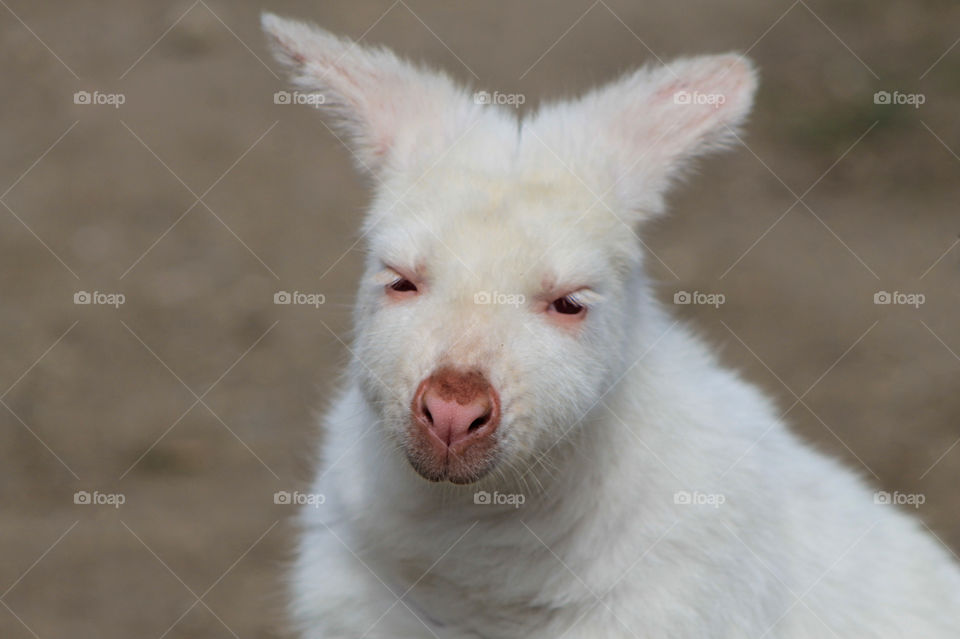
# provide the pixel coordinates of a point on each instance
(605, 427)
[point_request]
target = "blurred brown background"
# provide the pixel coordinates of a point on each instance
(195, 398)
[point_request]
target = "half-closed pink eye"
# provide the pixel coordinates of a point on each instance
(403, 285)
(567, 306)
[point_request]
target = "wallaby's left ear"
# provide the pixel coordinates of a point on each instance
(394, 114)
(641, 130)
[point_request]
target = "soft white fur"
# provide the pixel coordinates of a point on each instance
(602, 426)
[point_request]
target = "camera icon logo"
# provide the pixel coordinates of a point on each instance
(82, 97)
(281, 97)
(82, 297)
(882, 497)
(882, 97)
(282, 297)
(82, 497)
(482, 297)
(683, 498)
(681, 97)
(482, 97)
(682, 297)
(882, 297)
(482, 497)
(282, 497)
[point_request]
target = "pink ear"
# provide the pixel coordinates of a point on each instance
(391, 111)
(639, 132)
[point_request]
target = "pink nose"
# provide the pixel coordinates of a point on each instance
(457, 408)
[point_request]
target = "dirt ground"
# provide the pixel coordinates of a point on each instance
(199, 198)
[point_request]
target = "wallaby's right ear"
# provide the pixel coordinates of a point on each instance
(393, 113)
(641, 131)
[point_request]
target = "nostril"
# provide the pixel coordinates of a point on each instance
(426, 413)
(478, 422)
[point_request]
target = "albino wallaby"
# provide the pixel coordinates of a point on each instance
(528, 446)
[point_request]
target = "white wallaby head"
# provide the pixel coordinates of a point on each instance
(503, 282)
